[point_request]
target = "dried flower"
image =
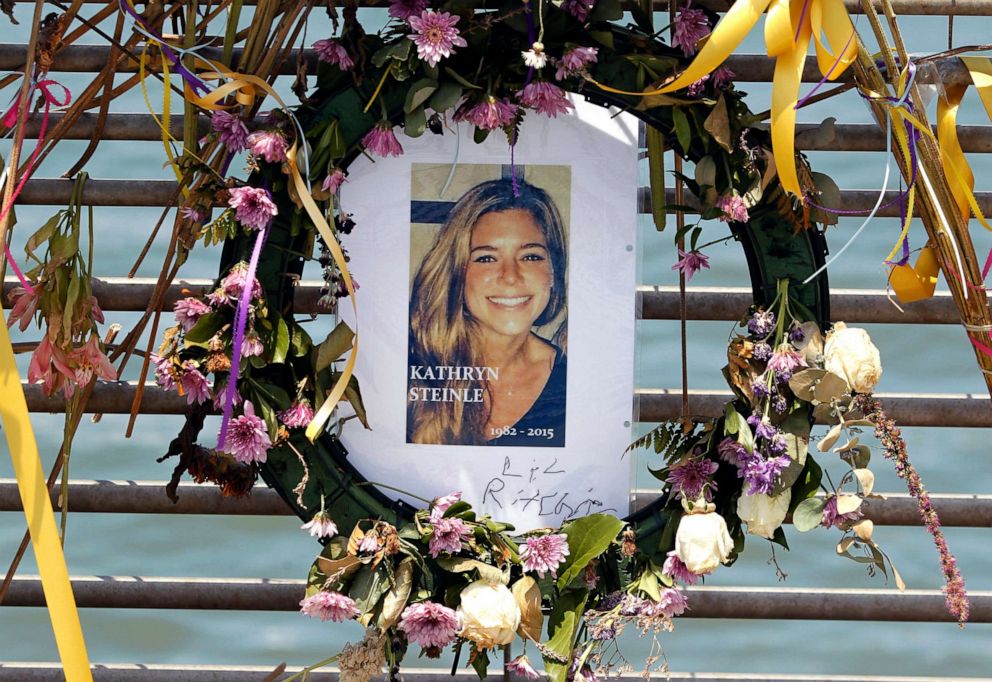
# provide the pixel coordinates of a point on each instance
(544, 553)
(764, 513)
(761, 323)
(195, 385)
(429, 624)
(733, 207)
(252, 345)
(233, 284)
(363, 661)
(488, 114)
(436, 35)
(691, 26)
(333, 52)
(535, 57)
(702, 541)
(268, 144)
(253, 206)
(188, 310)
(449, 534)
(784, 362)
(247, 438)
(832, 517)
(404, 9)
(578, 8)
(676, 569)
(332, 183)
(672, 603)
(24, 304)
(230, 129)
(328, 605)
(850, 354)
(381, 140)
(545, 98)
(298, 415)
(693, 478)
(690, 263)
(575, 61)
(441, 504)
(321, 525)
(164, 372)
(695, 89)
(521, 667)
(489, 614)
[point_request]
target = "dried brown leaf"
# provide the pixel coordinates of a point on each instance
(528, 596)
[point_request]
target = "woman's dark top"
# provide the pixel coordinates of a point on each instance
(544, 423)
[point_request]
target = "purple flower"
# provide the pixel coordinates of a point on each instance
(332, 183)
(488, 114)
(578, 8)
(760, 474)
(220, 397)
(436, 35)
(164, 372)
(696, 88)
(333, 53)
(321, 525)
(733, 207)
(251, 346)
(230, 129)
(692, 478)
(575, 61)
(691, 26)
(381, 140)
(731, 451)
(544, 553)
(247, 438)
(761, 351)
(784, 362)
(673, 603)
(404, 9)
(332, 606)
(832, 518)
(759, 386)
(195, 385)
(448, 536)
(797, 334)
(676, 569)
(298, 415)
(545, 98)
(269, 144)
(763, 427)
(521, 667)
(780, 404)
(761, 323)
(233, 284)
(441, 504)
(777, 444)
(722, 77)
(690, 263)
(253, 206)
(632, 605)
(188, 310)
(429, 624)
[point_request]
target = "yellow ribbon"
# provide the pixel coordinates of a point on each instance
(163, 124)
(40, 517)
(789, 26)
(915, 283)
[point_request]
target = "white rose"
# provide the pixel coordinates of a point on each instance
(850, 354)
(489, 614)
(763, 513)
(702, 541)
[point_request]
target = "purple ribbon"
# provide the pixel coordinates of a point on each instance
(240, 325)
(188, 76)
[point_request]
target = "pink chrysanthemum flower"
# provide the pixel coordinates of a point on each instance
(381, 140)
(332, 183)
(188, 310)
(253, 206)
(404, 9)
(247, 438)
(220, 397)
(436, 35)
(321, 525)
(230, 129)
(691, 26)
(575, 61)
(333, 53)
(251, 346)
(268, 144)
(332, 606)
(545, 98)
(543, 554)
(488, 114)
(673, 603)
(690, 263)
(449, 534)
(692, 478)
(234, 282)
(429, 624)
(195, 385)
(722, 77)
(578, 8)
(164, 373)
(521, 667)
(441, 504)
(733, 207)
(676, 569)
(298, 415)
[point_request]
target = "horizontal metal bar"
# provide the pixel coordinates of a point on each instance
(650, 404)
(148, 497)
(275, 594)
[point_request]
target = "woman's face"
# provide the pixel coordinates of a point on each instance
(509, 275)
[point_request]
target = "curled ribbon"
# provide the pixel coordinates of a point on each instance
(789, 26)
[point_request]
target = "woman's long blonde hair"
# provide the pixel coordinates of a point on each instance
(442, 332)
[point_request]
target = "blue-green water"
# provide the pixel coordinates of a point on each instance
(934, 359)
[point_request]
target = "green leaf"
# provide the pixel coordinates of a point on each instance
(562, 625)
(809, 514)
(315, 580)
(281, 347)
(606, 10)
(807, 484)
(299, 342)
(588, 537)
(445, 97)
(333, 347)
(368, 587)
(204, 329)
(480, 662)
(275, 394)
(656, 171)
(415, 122)
(399, 50)
(43, 234)
(706, 171)
(418, 93)
(464, 83)
(268, 415)
(354, 396)
(683, 132)
(71, 298)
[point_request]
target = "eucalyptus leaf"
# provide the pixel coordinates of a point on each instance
(867, 480)
(857, 457)
(830, 387)
(848, 503)
(828, 440)
(809, 514)
(706, 171)
(588, 537)
(802, 383)
(795, 430)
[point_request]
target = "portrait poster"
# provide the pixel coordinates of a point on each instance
(496, 316)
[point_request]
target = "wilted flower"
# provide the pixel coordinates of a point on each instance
(578, 8)
(333, 52)
(850, 354)
(253, 206)
(722, 77)
(50, 366)
(441, 505)
(544, 553)
(831, 517)
(521, 667)
(761, 323)
(298, 415)
(370, 544)
(381, 140)
(702, 541)
(188, 310)
(545, 98)
(784, 362)
(24, 306)
(691, 26)
(489, 614)
(404, 9)
(449, 534)
(488, 114)
(89, 360)
(692, 478)
(760, 473)
(230, 129)
(535, 57)
(332, 183)
(332, 606)
(436, 35)
(247, 438)
(690, 263)
(429, 624)
(672, 603)
(576, 61)
(233, 284)
(764, 513)
(321, 525)
(195, 385)
(251, 346)
(676, 569)
(734, 208)
(268, 144)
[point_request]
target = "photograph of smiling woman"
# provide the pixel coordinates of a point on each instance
(479, 374)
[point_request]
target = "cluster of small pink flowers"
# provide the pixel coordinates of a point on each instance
(404, 9)
(691, 26)
(545, 98)
(230, 129)
(429, 624)
(676, 569)
(449, 534)
(253, 206)
(332, 183)
(188, 311)
(333, 53)
(691, 262)
(247, 437)
(576, 61)
(544, 553)
(298, 415)
(488, 114)
(436, 35)
(734, 208)
(696, 88)
(332, 606)
(381, 140)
